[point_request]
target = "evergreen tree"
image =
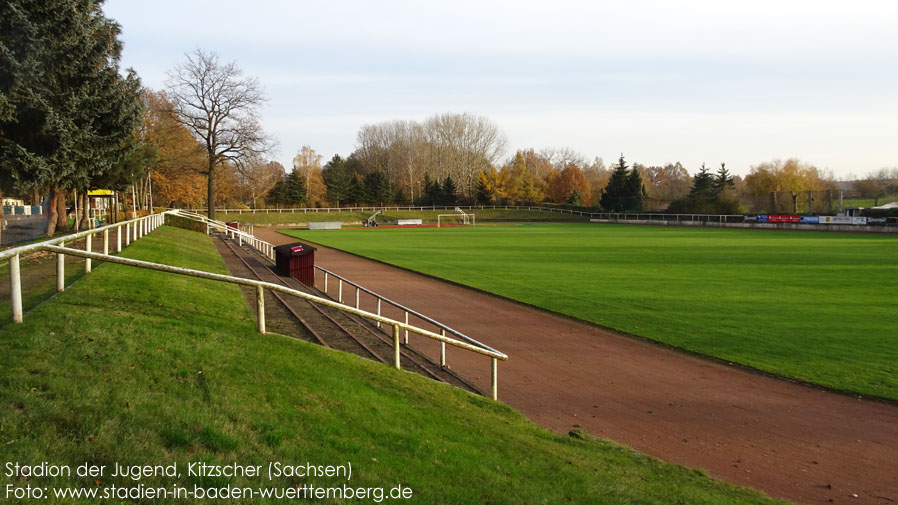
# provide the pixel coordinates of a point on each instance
(448, 192)
(703, 187)
(356, 193)
(295, 191)
(67, 117)
(377, 188)
(433, 192)
(575, 198)
(635, 191)
(484, 196)
(400, 198)
(614, 195)
(723, 179)
(277, 195)
(337, 179)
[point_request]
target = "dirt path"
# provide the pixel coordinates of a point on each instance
(787, 440)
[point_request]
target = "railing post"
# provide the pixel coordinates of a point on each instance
(60, 270)
(396, 347)
(495, 375)
(118, 238)
(325, 282)
(88, 246)
(260, 303)
(134, 233)
(443, 350)
(340, 291)
(15, 289)
(406, 331)
(356, 297)
(127, 234)
(378, 311)
(106, 241)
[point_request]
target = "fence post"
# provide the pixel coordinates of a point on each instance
(495, 375)
(356, 297)
(406, 331)
(127, 234)
(378, 311)
(118, 238)
(60, 270)
(106, 241)
(443, 349)
(325, 282)
(340, 291)
(260, 303)
(88, 246)
(396, 347)
(15, 289)
(134, 233)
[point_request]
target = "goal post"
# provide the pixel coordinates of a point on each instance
(463, 218)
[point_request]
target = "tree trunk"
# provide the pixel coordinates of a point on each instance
(62, 218)
(210, 201)
(52, 215)
(88, 223)
(133, 203)
(76, 210)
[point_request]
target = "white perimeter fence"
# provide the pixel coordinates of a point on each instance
(132, 230)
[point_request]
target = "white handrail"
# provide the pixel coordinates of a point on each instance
(139, 227)
(261, 286)
(412, 312)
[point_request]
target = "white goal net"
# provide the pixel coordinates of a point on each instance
(460, 218)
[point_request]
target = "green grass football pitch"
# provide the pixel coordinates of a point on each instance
(818, 307)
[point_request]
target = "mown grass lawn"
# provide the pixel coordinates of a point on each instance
(819, 307)
(137, 367)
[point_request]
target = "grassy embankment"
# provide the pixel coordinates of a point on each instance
(819, 307)
(429, 216)
(141, 367)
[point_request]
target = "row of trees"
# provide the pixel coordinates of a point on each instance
(70, 121)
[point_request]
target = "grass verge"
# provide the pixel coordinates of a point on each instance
(139, 367)
(818, 307)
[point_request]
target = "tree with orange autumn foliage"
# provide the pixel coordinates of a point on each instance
(176, 177)
(561, 184)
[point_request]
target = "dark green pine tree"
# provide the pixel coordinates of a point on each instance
(575, 198)
(433, 192)
(448, 192)
(377, 188)
(484, 196)
(723, 179)
(614, 195)
(337, 180)
(635, 191)
(295, 192)
(703, 188)
(356, 192)
(277, 195)
(67, 117)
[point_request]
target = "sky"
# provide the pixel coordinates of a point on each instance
(740, 82)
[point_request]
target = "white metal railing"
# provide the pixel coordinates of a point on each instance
(406, 311)
(139, 227)
(261, 286)
(266, 248)
(134, 229)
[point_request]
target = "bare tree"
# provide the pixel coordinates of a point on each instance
(220, 107)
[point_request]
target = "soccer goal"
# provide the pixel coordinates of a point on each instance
(459, 218)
